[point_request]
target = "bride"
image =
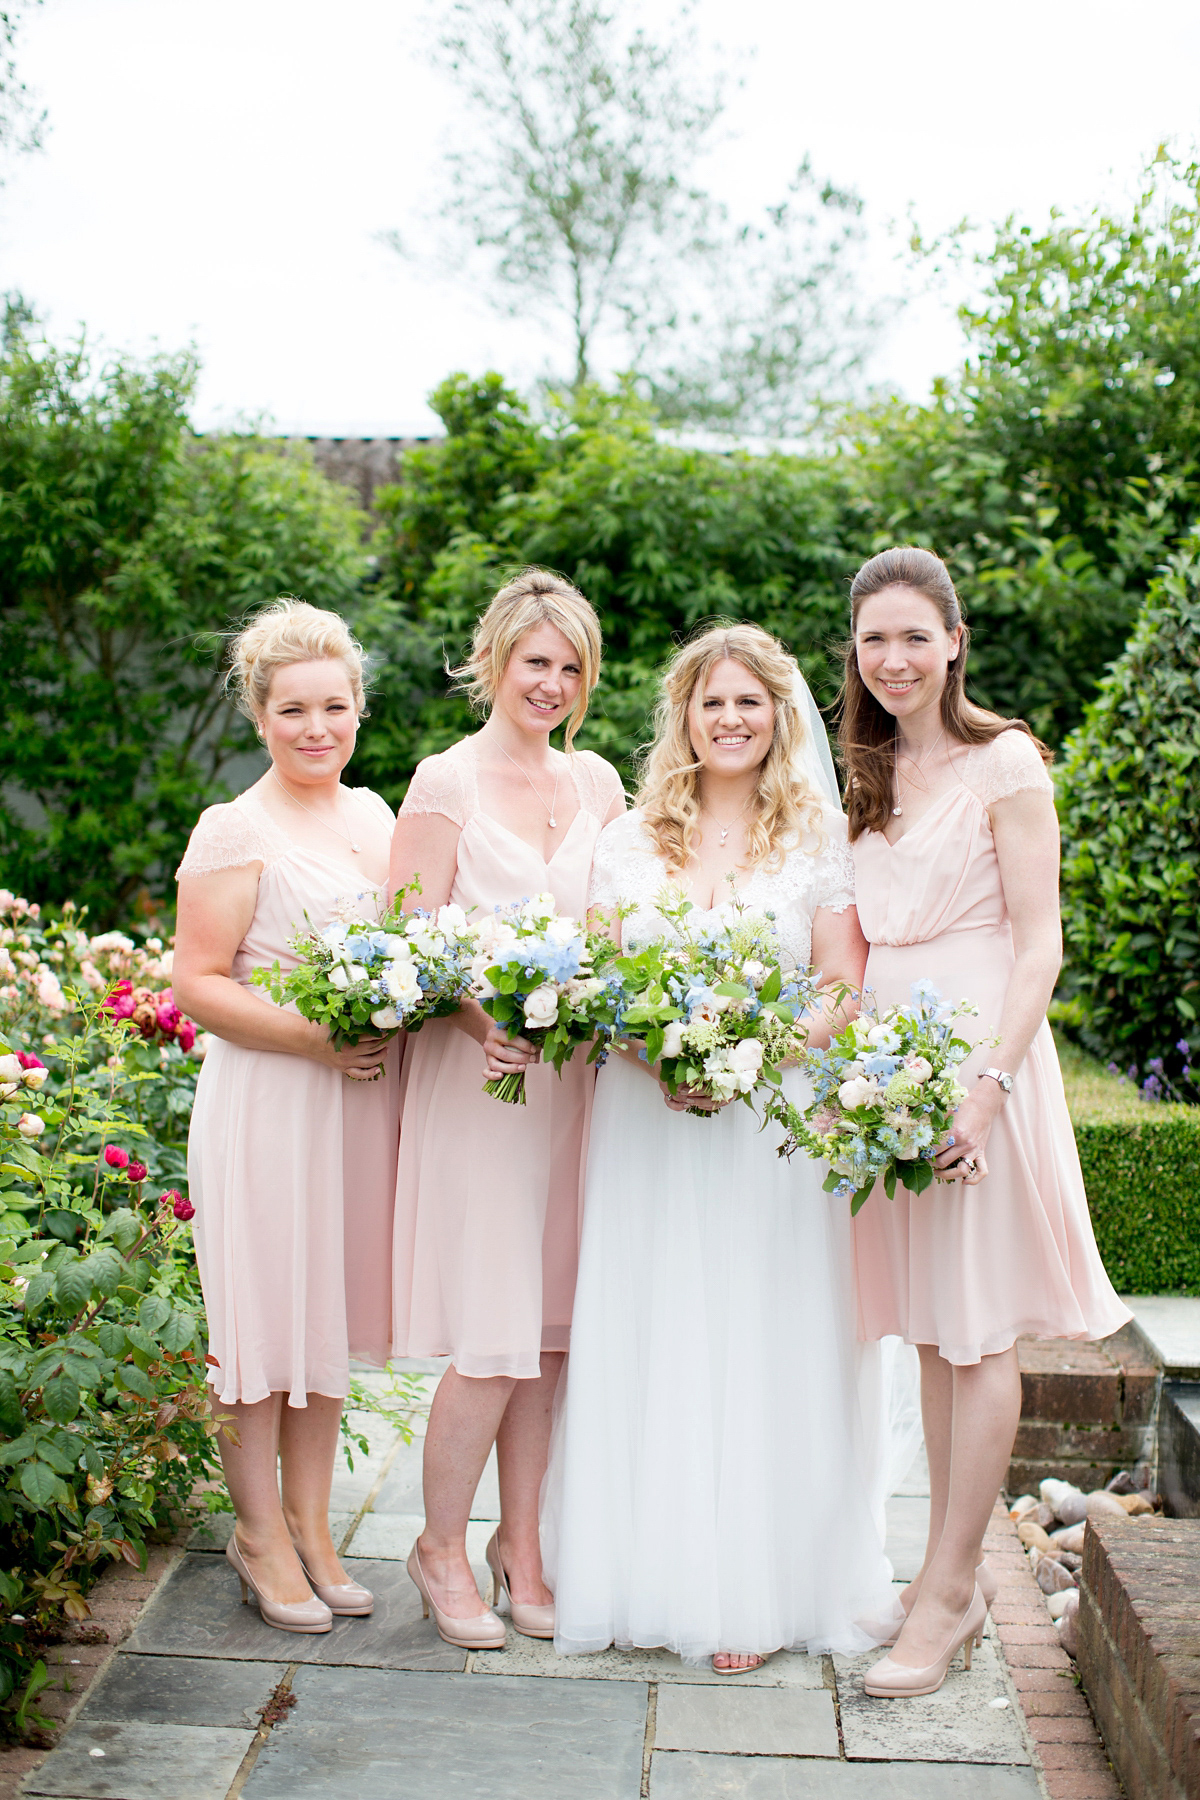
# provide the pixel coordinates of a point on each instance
(716, 1478)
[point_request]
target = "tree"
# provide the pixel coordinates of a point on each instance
(128, 548)
(1130, 803)
(20, 122)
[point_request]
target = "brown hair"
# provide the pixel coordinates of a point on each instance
(782, 806)
(533, 597)
(866, 730)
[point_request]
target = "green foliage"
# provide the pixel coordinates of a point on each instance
(1130, 804)
(127, 548)
(104, 1418)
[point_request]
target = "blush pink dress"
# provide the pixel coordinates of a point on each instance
(488, 1195)
(291, 1166)
(971, 1269)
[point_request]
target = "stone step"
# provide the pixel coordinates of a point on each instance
(1088, 1410)
(1179, 1448)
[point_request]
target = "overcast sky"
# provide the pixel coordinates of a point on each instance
(215, 170)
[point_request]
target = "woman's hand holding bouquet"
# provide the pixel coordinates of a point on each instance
(884, 1098)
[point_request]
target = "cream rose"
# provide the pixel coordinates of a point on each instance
(400, 981)
(30, 1126)
(673, 1038)
(541, 1007)
(919, 1069)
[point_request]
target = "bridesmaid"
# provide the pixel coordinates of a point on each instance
(955, 840)
(292, 1150)
(488, 1195)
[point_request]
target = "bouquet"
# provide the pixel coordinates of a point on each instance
(714, 1010)
(884, 1096)
(543, 976)
(372, 980)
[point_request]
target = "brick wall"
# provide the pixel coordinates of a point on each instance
(1087, 1410)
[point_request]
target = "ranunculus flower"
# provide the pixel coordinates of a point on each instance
(115, 1157)
(919, 1069)
(30, 1126)
(185, 1037)
(541, 1007)
(136, 1172)
(673, 1038)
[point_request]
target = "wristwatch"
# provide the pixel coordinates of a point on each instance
(1000, 1075)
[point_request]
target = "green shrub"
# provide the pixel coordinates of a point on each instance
(1141, 1169)
(1130, 805)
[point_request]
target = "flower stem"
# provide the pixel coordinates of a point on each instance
(509, 1088)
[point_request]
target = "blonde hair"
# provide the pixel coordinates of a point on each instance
(783, 807)
(290, 631)
(532, 598)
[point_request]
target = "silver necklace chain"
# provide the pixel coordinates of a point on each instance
(726, 829)
(553, 806)
(357, 848)
(897, 810)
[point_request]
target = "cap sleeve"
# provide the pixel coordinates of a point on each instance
(437, 786)
(1010, 764)
(834, 887)
(597, 783)
(224, 837)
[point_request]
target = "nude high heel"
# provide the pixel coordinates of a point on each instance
(890, 1680)
(985, 1581)
(290, 1615)
(484, 1632)
(530, 1621)
(345, 1599)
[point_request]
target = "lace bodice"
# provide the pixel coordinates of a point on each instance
(628, 869)
(449, 783)
(1010, 764)
(243, 831)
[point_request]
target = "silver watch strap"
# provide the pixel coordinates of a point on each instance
(1001, 1075)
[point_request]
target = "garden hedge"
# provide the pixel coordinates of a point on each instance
(1141, 1168)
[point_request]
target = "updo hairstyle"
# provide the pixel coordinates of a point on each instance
(532, 598)
(866, 730)
(290, 631)
(783, 808)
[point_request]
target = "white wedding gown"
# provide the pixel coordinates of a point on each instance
(721, 1457)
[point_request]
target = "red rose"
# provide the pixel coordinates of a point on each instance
(136, 1172)
(183, 1209)
(116, 1158)
(185, 1037)
(29, 1062)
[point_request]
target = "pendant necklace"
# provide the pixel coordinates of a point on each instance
(898, 809)
(726, 829)
(553, 806)
(357, 848)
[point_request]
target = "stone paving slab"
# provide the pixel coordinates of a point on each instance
(217, 1530)
(390, 1536)
(1172, 1324)
(536, 1656)
(182, 1690)
(380, 1736)
(683, 1775)
(747, 1721)
(958, 1724)
(199, 1613)
(142, 1762)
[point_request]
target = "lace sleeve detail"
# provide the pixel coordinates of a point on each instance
(1010, 764)
(437, 786)
(597, 783)
(624, 867)
(834, 873)
(225, 837)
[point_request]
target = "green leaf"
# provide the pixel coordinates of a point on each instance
(73, 1286)
(131, 1377)
(889, 1181)
(60, 1397)
(61, 1223)
(41, 1485)
(124, 1227)
(179, 1331)
(39, 1286)
(154, 1312)
(11, 1416)
(111, 1338)
(105, 1268)
(142, 1340)
(771, 987)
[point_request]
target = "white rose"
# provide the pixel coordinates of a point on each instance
(754, 972)
(541, 1007)
(386, 1018)
(561, 931)
(427, 942)
(673, 1038)
(542, 906)
(34, 1078)
(400, 981)
(357, 972)
(583, 988)
(882, 1037)
(856, 1092)
(452, 920)
(10, 1068)
(481, 987)
(339, 976)
(919, 1069)
(746, 1056)
(30, 1126)
(394, 946)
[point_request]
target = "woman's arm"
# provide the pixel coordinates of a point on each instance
(1025, 830)
(214, 915)
(839, 952)
(426, 844)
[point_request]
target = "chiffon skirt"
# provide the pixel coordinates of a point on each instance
(721, 1455)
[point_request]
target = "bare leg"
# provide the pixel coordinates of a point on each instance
(937, 1419)
(308, 1441)
(463, 1422)
(522, 1451)
(986, 1412)
(252, 1477)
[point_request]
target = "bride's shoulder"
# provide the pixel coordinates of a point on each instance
(627, 835)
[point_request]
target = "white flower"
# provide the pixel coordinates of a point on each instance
(581, 988)
(394, 946)
(30, 1126)
(754, 972)
(561, 931)
(452, 920)
(339, 976)
(541, 1007)
(386, 1018)
(400, 980)
(919, 1069)
(10, 1068)
(356, 972)
(49, 991)
(884, 1039)
(427, 940)
(481, 987)
(746, 1056)
(861, 1091)
(33, 1078)
(852, 1069)
(673, 1038)
(859, 1033)
(541, 907)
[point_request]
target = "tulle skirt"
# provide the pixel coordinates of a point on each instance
(724, 1444)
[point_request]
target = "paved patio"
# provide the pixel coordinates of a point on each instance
(382, 1709)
